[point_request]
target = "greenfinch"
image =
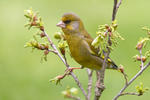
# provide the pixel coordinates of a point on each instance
(79, 42)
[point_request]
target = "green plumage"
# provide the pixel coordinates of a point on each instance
(79, 42)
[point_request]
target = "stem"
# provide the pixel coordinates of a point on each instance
(142, 63)
(99, 88)
(89, 89)
(115, 8)
(128, 93)
(125, 77)
(126, 85)
(63, 60)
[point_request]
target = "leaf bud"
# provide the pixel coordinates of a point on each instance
(62, 50)
(110, 34)
(42, 28)
(46, 52)
(143, 58)
(33, 23)
(106, 26)
(46, 46)
(35, 18)
(121, 68)
(139, 46)
(42, 34)
(138, 58)
(58, 35)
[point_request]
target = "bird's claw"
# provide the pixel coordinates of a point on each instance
(70, 69)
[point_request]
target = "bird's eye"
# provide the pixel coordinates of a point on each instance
(67, 21)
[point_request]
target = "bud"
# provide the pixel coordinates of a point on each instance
(62, 46)
(143, 58)
(46, 46)
(42, 28)
(110, 34)
(60, 77)
(41, 47)
(57, 79)
(139, 46)
(42, 34)
(34, 43)
(106, 26)
(105, 34)
(138, 58)
(115, 26)
(109, 29)
(46, 52)
(57, 35)
(35, 18)
(62, 50)
(33, 23)
(121, 69)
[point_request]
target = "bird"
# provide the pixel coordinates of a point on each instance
(80, 43)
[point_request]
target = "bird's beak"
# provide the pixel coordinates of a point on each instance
(61, 24)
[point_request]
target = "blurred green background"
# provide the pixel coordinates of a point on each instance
(23, 77)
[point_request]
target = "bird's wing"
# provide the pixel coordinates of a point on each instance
(89, 40)
(94, 51)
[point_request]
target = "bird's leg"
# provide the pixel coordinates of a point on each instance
(70, 69)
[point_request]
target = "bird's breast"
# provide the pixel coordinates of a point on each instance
(78, 49)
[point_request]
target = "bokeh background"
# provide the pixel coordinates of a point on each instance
(23, 77)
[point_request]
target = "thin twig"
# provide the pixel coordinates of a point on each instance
(63, 60)
(100, 79)
(89, 89)
(52, 51)
(125, 77)
(115, 8)
(97, 90)
(142, 63)
(126, 85)
(79, 84)
(128, 93)
(66, 60)
(54, 47)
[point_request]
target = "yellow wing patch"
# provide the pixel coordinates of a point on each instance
(109, 60)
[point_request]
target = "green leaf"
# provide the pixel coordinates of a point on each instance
(96, 42)
(62, 45)
(140, 89)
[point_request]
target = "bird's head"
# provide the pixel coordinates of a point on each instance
(71, 23)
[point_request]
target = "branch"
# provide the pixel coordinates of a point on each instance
(126, 85)
(142, 63)
(101, 73)
(63, 60)
(115, 8)
(99, 88)
(128, 93)
(89, 89)
(125, 77)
